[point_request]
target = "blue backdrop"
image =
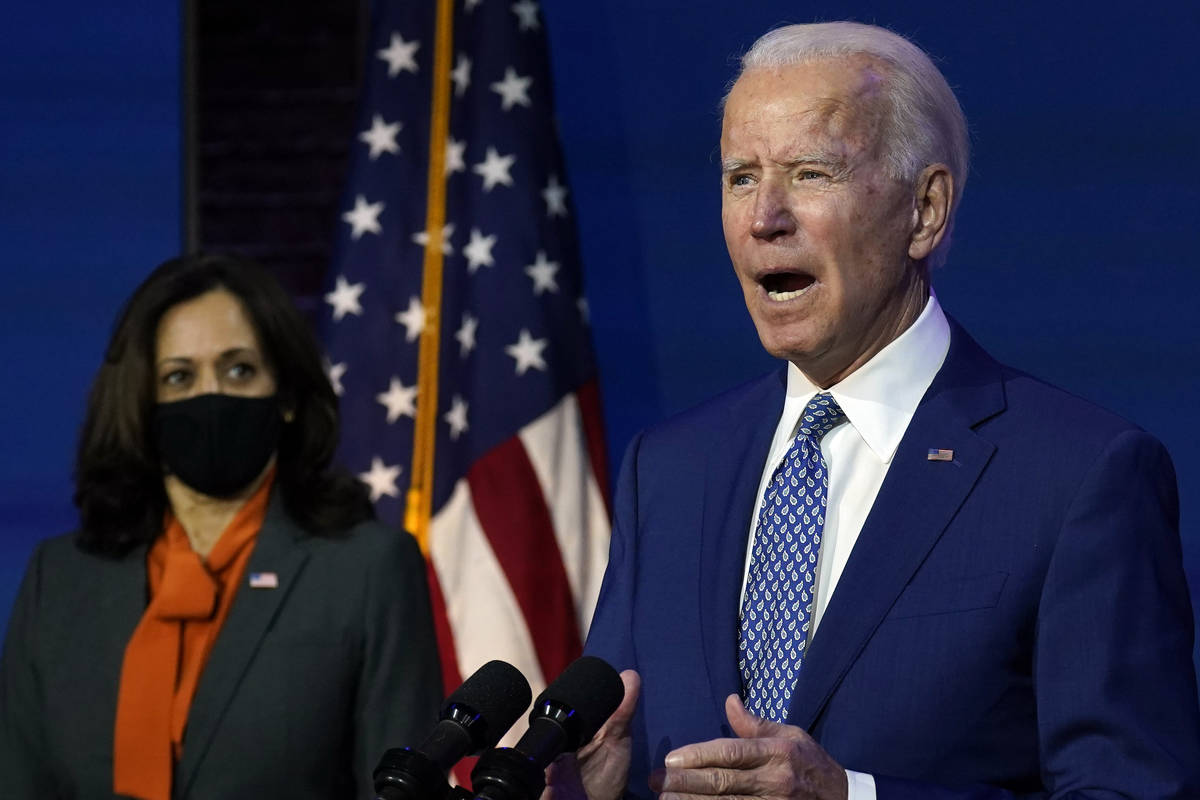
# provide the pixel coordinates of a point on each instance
(1075, 257)
(90, 200)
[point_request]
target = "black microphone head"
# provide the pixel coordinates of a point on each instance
(591, 690)
(498, 693)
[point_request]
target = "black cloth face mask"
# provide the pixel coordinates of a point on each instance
(217, 443)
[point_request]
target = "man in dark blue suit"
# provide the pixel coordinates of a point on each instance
(925, 574)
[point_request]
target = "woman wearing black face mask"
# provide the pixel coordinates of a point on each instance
(228, 621)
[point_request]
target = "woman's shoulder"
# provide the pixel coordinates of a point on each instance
(370, 541)
(62, 554)
(376, 537)
(58, 548)
(63, 582)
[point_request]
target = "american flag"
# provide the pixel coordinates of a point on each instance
(517, 532)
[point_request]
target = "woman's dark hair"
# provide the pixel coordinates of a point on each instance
(118, 476)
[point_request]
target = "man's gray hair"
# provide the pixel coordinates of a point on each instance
(923, 123)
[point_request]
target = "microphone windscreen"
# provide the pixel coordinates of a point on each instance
(592, 689)
(499, 694)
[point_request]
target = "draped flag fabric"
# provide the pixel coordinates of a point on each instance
(457, 332)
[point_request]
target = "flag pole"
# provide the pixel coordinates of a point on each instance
(419, 505)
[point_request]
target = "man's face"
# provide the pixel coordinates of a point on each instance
(818, 232)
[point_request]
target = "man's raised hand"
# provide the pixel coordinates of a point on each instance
(600, 770)
(767, 760)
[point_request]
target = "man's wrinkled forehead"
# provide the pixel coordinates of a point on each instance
(851, 102)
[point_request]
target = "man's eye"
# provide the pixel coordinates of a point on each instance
(810, 175)
(740, 180)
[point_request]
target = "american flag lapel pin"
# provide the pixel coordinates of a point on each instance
(264, 580)
(937, 454)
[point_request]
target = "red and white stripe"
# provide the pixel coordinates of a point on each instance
(518, 552)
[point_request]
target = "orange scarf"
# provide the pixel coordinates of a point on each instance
(189, 601)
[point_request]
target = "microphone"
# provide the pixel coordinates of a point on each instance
(564, 718)
(473, 718)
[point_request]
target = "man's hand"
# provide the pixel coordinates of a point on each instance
(768, 760)
(600, 770)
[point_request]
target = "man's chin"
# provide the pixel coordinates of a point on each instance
(785, 336)
(798, 351)
(811, 356)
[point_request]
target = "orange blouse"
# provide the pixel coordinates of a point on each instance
(189, 601)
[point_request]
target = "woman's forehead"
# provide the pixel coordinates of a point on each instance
(207, 325)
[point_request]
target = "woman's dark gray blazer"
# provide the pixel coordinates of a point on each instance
(306, 686)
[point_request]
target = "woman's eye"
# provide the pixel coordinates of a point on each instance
(242, 372)
(176, 377)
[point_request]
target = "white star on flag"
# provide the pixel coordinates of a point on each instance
(527, 14)
(422, 238)
(381, 479)
(494, 169)
(335, 372)
(413, 319)
(461, 75)
(455, 161)
(466, 335)
(400, 55)
(364, 217)
(528, 352)
(345, 298)
(381, 137)
(456, 417)
(479, 251)
(515, 423)
(555, 195)
(399, 400)
(513, 90)
(543, 272)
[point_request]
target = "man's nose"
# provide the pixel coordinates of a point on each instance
(772, 216)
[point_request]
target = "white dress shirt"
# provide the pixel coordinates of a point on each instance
(879, 400)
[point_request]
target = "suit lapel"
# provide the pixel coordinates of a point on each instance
(116, 609)
(731, 481)
(277, 550)
(916, 502)
(125, 595)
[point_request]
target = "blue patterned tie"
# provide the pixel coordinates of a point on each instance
(780, 587)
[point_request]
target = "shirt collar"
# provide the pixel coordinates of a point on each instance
(880, 397)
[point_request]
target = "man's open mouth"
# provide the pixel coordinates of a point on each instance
(782, 286)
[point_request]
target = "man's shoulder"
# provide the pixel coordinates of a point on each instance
(1039, 399)
(1034, 424)
(1060, 436)
(1028, 403)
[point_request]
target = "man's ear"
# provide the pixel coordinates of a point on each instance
(933, 196)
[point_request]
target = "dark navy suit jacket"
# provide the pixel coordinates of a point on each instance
(1014, 622)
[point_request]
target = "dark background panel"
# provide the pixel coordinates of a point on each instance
(273, 100)
(1075, 258)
